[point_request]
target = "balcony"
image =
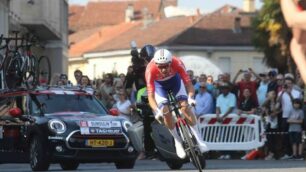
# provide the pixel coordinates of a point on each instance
(46, 19)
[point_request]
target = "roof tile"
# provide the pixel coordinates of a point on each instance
(102, 35)
(155, 33)
(216, 30)
(113, 12)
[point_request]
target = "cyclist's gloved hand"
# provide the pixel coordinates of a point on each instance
(191, 101)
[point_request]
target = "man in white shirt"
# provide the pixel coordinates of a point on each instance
(226, 104)
(285, 97)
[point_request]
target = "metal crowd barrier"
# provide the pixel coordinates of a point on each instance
(244, 132)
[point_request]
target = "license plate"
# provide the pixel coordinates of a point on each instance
(99, 143)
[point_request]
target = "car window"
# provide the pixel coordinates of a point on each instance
(54, 103)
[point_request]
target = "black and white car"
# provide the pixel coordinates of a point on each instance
(60, 125)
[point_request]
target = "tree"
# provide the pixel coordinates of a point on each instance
(272, 36)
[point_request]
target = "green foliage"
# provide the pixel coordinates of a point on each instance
(272, 36)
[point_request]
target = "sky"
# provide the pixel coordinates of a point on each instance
(204, 5)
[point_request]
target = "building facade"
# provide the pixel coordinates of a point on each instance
(47, 20)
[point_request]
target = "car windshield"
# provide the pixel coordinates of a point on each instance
(53, 103)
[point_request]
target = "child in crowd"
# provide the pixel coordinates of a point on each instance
(295, 121)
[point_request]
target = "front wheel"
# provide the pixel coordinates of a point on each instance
(39, 160)
(69, 165)
(190, 147)
(174, 165)
(203, 161)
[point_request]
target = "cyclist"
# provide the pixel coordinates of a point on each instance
(167, 72)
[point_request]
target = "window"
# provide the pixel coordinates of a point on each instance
(49, 103)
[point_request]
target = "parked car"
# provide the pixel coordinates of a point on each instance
(61, 125)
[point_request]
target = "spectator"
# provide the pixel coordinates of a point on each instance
(226, 104)
(227, 79)
(202, 78)
(247, 83)
(85, 81)
(285, 97)
(204, 101)
(64, 79)
(271, 113)
(55, 79)
(295, 120)
(77, 75)
(210, 84)
(122, 79)
(124, 105)
(130, 79)
(279, 83)
(273, 81)
(246, 106)
(191, 76)
(262, 88)
(106, 91)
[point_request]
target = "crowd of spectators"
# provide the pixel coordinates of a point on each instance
(277, 98)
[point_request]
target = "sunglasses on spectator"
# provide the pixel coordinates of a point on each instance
(202, 87)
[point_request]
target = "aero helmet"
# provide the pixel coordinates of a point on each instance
(162, 56)
(147, 52)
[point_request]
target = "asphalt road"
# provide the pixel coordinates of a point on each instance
(156, 165)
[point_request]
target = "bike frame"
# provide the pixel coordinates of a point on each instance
(189, 141)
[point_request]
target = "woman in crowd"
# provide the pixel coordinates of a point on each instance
(247, 104)
(85, 81)
(271, 112)
(123, 104)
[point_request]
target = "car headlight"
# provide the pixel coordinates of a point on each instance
(126, 124)
(57, 126)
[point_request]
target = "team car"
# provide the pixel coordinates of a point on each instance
(68, 126)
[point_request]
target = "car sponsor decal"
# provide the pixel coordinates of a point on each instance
(100, 124)
(96, 130)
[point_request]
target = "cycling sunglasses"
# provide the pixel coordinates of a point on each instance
(163, 66)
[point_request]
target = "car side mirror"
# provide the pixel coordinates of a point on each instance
(114, 112)
(15, 112)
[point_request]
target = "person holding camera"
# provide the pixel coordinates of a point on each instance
(136, 76)
(246, 82)
(286, 97)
